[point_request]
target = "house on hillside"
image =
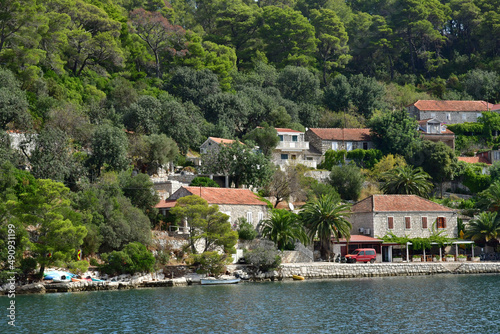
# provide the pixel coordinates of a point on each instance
(233, 202)
(402, 215)
(450, 112)
(324, 139)
(294, 149)
(433, 130)
(214, 143)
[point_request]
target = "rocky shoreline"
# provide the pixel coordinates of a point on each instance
(314, 270)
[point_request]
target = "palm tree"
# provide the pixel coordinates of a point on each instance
(484, 230)
(326, 217)
(491, 196)
(407, 180)
(284, 228)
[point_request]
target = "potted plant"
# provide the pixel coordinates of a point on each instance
(476, 259)
(417, 258)
(436, 258)
(450, 257)
(462, 258)
(397, 259)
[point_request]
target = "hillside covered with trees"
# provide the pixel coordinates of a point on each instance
(104, 88)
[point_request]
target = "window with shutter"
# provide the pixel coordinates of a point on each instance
(408, 222)
(249, 217)
(441, 222)
(390, 223)
(424, 222)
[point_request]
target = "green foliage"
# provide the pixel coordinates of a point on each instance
(78, 267)
(437, 159)
(326, 217)
(288, 37)
(284, 229)
(134, 258)
(246, 231)
(266, 137)
(211, 263)
(466, 128)
(407, 180)
(347, 180)
(484, 230)
(59, 232)
(332, 158)
(365, 158)
(205, 223)
(474, 179)
(109, 149)
(394, 132)
(264, 258)
(240, 163)
(139, 189)
(203, 181)
(13, 102)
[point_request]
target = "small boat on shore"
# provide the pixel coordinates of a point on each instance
(298, 277)
(217, 281)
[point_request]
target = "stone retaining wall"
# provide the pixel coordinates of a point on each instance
(347, 270)
(317, 270)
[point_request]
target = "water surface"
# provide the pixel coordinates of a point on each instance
(417, 304)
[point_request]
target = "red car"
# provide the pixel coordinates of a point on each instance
(362, 255)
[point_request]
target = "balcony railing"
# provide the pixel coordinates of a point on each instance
(297, 145)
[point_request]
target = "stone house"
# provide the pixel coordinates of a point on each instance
(403, 215)
(294, 149)
(450, 112)
(214, 143)
(234, 202)
(324, 139)
(433, 130)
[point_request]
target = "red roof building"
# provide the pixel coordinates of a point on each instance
(402, 215)
(449, 112)
(234, 202)
(324, 139)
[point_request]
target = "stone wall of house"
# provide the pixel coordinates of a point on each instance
(325, 145)
(380, 226)
(363, 220)
(447, 117)
(237, 211)
(314, 141)
(318, 270)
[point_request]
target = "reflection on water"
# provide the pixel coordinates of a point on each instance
(418, 304)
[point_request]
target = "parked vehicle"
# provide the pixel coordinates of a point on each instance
(362, 255)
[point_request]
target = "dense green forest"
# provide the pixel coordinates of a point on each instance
(190, 69)
(100, 86)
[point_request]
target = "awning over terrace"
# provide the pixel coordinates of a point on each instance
(456, 243)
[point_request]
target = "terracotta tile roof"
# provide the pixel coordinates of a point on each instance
(285, 205)
(474, 160)
(434, 105)
(360, 238)
(223, 140)
(167, 203)
(287, 130)
(226, 195)
(342, 134)
(397, 203)
(495, 107)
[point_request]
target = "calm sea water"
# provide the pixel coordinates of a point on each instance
(418, 304)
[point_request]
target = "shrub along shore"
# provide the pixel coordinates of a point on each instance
(315, 270)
